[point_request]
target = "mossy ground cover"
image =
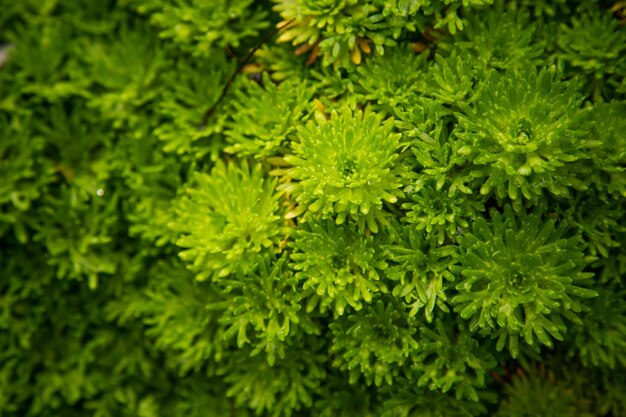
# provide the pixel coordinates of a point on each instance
(396, 208)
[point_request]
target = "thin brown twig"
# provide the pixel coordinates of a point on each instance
(211, 110)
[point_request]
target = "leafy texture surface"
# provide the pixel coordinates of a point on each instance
(329, 208)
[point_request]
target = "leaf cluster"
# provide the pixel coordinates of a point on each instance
(419, 211)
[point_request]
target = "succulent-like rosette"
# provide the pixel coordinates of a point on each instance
(523, 132)
(265, 117)
(338, 266)
(420, 271)
(375, 342)
(391, 82)
(346, 167)
(199, 26)
(262, 308)
(497, 38)
(449, 358)
(339, 29)
(286, 388)
(593, 43)
(518, 276)
(602, 340)
(609, 174)
(440, 215)
(225, 217)
(343, 31)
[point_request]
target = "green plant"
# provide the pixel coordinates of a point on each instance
(264, 301)
(518, 143)
(406, 208)
(342, 31)
(346, 167)
(500, 39)
(375, 342)
(521, 274)
(420, 272)
(593, 44)
(199, 26)
(225, 217)
(339, 266)
(450, 358)
(263, 133)
(550, 395)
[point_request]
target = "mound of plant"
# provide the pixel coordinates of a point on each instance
(330, 208)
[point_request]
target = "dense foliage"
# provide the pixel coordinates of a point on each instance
(406, 208)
